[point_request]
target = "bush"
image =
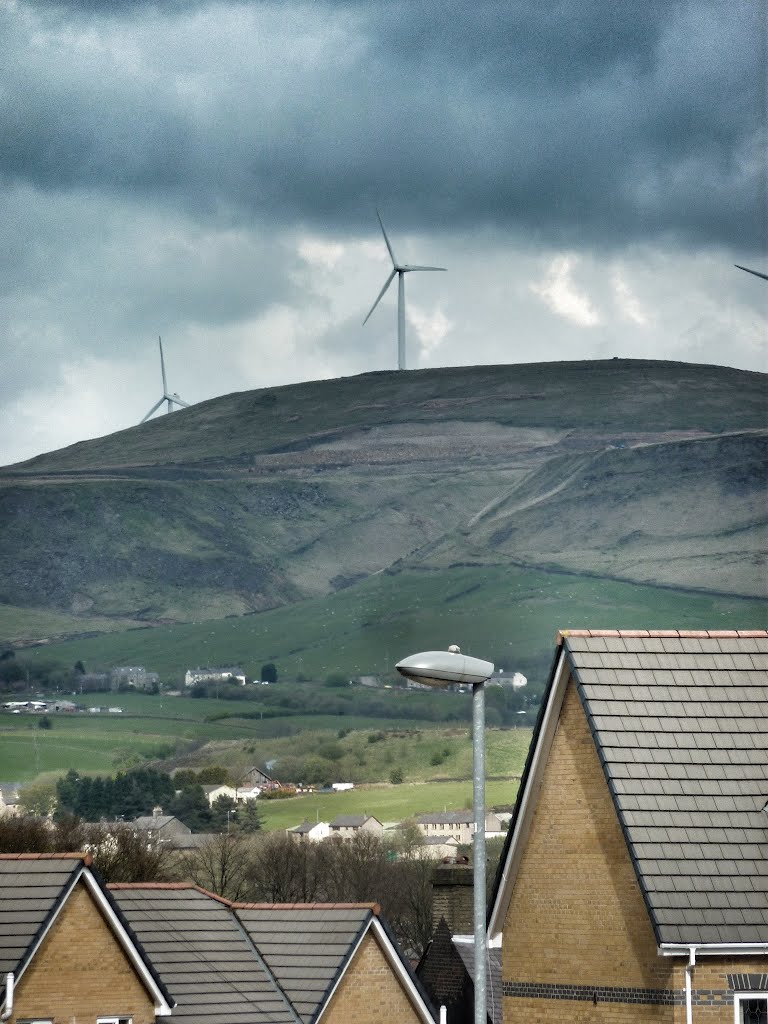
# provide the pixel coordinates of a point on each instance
(396, 776)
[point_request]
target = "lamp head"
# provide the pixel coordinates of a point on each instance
(444, 668)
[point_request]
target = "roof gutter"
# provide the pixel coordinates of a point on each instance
(8, 1008)
(714, 948)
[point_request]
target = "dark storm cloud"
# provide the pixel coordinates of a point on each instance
(588, 122)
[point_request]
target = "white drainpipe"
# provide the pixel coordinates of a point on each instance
(443, 1015)
(8, 1010)
(688, 975)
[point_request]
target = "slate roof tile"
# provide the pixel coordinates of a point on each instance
(681, 726)
(202, 956)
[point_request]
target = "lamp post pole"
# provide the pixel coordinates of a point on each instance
(441, 668)
(478, 859)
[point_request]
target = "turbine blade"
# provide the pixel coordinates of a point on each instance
(179, 401)
(409, 266)
(154, 408)
(162, 365)
(755, 272)
(391, 252)
(387, 283)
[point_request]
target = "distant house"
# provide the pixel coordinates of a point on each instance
(634, 883)
(193, 676)
(309, 832)
(245, 793)
(65, 706)
(256, 777)
(9, 803)
(459, 824)
(161, 827)
(346, 826)
(512, 680)
(438, 847)
(70, 954)
(134, 676)
(212, 793)
(341, 787)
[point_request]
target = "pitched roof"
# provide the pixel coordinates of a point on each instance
(154, 822)
(352, 820)
(306, 946)
(33, 889)
(207, 961)
(446, 818)
(680, 723)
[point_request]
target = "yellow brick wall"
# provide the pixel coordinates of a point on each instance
(370, 992)
(80, 972)
(577, 915)
(710, 975)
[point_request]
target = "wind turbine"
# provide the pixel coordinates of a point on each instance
(755, 272)
(171, 399)
(401, 269)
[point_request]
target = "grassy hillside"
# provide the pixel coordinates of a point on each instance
(340, 525)
(509, 614)
(619, 396)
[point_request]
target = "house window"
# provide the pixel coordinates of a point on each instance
(751, 1009)
(114, 1020)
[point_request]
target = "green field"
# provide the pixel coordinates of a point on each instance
(507, 614)
(387, 803)
(163, 728)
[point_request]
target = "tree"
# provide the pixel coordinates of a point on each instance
(44, 723)
(191, 807)
(284, 871)
(249, 818)
(336, 680)
(269, 672)
(122, 854)
(222, 865)
(79, 668)
(396, 776)
(223, 813)
(38, 797)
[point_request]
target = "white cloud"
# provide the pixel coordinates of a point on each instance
(627, 302)
(560, 293)
(316, 252)
(431, 329)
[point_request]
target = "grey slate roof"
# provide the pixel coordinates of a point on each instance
(30, 891)
(446, 818)
(306, 947)
(351, 820)
(156, 822)
(680, 721)
(203, 956)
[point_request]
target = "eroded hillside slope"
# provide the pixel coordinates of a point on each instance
(632, 469)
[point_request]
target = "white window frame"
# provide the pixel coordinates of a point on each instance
(121, 1019)
(743, 997)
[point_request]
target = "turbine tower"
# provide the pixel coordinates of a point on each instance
(401, 269)
(755, 272)
(171, 399)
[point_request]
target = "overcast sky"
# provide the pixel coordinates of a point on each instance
(588, 171)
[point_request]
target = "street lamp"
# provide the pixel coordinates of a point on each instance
(441, 669)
